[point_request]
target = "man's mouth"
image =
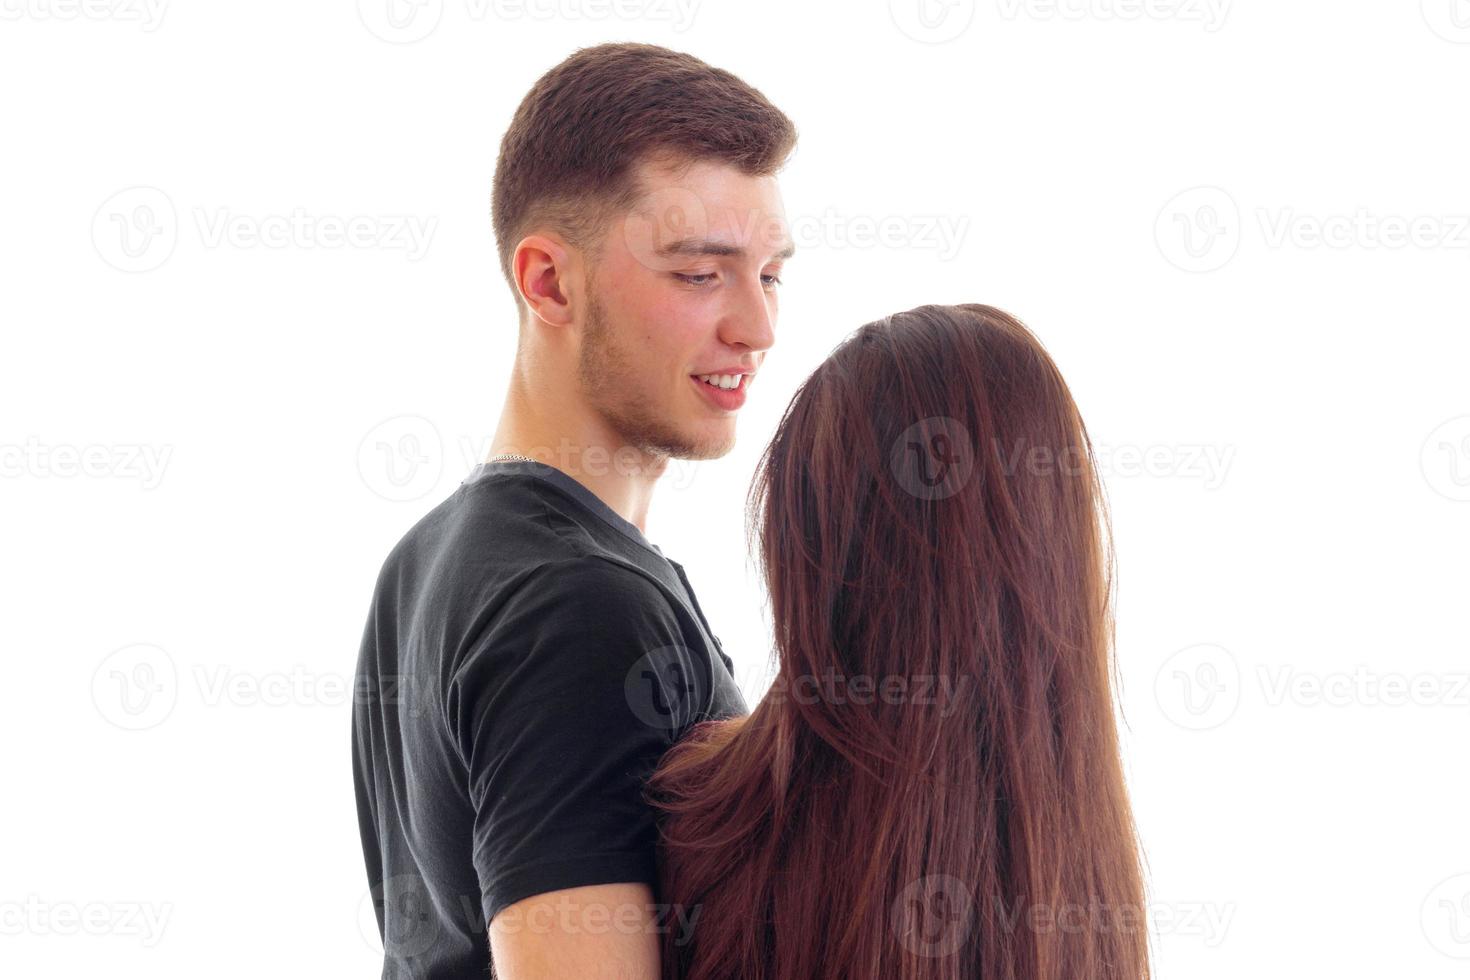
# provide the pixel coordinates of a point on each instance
(724, 391)
(727, 382)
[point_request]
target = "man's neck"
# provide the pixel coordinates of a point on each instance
(584, 449)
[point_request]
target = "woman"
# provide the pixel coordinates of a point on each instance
(932, 788)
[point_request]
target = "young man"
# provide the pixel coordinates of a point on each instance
(529, 654)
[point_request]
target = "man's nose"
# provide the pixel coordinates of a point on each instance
(753, 323)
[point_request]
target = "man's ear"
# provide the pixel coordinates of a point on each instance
(546, 272)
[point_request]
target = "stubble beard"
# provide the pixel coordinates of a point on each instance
(605, 372)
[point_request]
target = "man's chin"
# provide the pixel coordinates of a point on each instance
(697, 449)
(712, 445)
(697, 440)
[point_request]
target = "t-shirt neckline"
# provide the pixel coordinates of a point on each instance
(573, 487)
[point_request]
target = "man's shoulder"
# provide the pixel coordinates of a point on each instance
(501, 520)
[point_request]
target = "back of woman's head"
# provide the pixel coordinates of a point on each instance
(932, 788)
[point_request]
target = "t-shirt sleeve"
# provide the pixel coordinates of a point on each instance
(561, 712)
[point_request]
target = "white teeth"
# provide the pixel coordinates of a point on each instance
(726, 381)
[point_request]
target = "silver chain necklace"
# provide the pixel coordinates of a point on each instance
(528, 459)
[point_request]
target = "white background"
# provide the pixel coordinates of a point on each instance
(1240, 228)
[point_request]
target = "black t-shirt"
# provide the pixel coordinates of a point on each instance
(528, 657)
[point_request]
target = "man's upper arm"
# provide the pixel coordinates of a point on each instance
(596, 932)
(551, 717)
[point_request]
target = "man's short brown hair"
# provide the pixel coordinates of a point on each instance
(567, 159)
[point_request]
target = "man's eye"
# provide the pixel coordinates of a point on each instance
(772, 280)
(697, 280)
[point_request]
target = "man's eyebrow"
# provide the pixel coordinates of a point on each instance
(705, 246)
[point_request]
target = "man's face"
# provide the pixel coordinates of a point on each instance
(686, 285)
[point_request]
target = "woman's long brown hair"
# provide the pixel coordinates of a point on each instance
(932, 788)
